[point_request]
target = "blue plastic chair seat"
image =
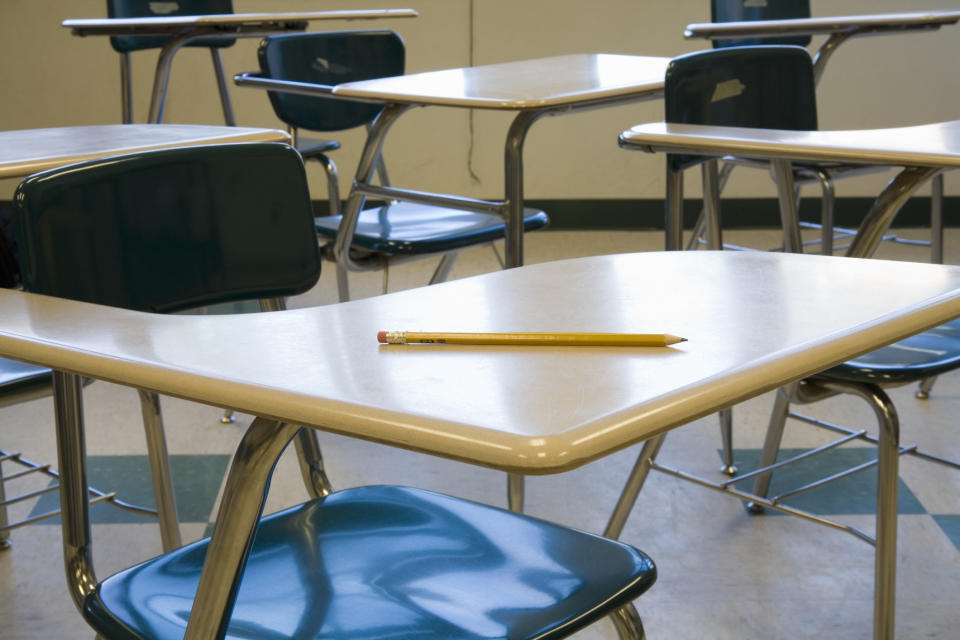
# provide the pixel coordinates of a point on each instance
(407, 228)
(389, 562)
(921, 356)
(15, 374)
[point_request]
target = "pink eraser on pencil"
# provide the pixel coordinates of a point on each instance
(381, 336)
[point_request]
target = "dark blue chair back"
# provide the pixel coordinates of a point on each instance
(747, 10)
(768, 87)
(329, 58)
(173, 229)
(161, 8)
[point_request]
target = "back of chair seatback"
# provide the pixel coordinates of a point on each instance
(159, 9)
(169, 230)
(767, 87)
(748, 10)
(329, 58)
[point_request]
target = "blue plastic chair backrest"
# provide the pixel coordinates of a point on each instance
(329, 58)
(766, 87)
(747, 10)
(161, 8)
(168, 230)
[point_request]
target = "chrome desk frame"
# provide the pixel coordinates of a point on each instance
(184, 29)
(864, 245)
(838, 30)
(510, 208)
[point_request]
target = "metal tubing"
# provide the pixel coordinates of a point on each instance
(4, 520)
(161, 77)
(72, 457)
(240, 510)
(432, 199)
(222, 87)
(126, 89)
(333, 184)
(827, 210)
(711, 203)
(783, 174)
(936, 219)
(351, 212)
(726, 437)
(311, 464)
(515, 491)
(641, 469)
(885, 208)
(627, 622)
(674, 209)
(825, 51)
(160, 470)
(925, 387)
(771, 442)
(513, 185)
(442, 272)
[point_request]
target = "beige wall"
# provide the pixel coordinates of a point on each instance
(53, 78)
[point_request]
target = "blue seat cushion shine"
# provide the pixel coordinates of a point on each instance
(382, 562)
(921, 356)
(407, 228)
(15, 374)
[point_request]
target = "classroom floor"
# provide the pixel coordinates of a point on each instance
(723, 573)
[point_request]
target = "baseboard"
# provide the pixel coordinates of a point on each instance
(753, 213)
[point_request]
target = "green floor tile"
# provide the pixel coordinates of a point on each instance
(853, 495)
(196, 481)
(951, 526)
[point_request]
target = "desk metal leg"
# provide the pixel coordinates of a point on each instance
(228, 117)
(161, 77)
(885, 209)
(366, 167)
(786, 193)
(641, 469)
(515, 491)
(513, 185)
(674, 208)
(126, 89)
(240, 510)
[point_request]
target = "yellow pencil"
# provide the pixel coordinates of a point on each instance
(533, 339)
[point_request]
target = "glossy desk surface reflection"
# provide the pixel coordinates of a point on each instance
(27, 151)
(525, 84)
(869, 23)
(929, 145)
(754, 321)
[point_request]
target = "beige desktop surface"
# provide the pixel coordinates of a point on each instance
(753, 322)
(27, 151)
(521, 85)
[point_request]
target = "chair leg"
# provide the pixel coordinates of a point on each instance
(160, 470)
(222, 86)
(627, 622)
(442, 272)
(311, 464)
(4, 520)
(926, 386)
